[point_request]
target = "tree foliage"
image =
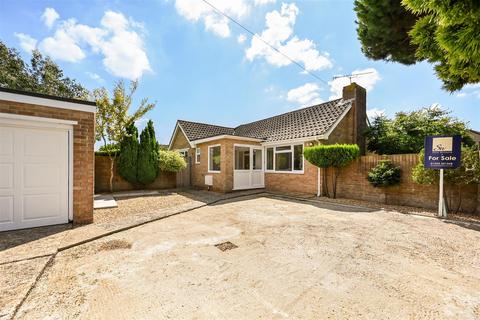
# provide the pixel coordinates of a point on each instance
(384, 174)
(148, 166)
(171, 161)
(405, 133)
(113, 116)
(41, 76)
(127, 158)
(382, 34)
(335, 156)
(443, 32)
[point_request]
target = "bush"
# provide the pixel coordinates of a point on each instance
(127, 160)
(384, 174)
(454, 179)
(406, 132)
(335, 155)
(171, 161)
(110, 149)
(147, 166)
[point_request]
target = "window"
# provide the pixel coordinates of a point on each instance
(183, 153)
(269, 158)
(257, 159)
(283, 161)
(214, 158)
(285, 158)
(197, 155)
(242, 158)
(298, 157)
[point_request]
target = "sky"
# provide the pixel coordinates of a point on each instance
(198, 66)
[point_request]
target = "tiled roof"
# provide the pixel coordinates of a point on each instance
(196, 131)
(307, 122)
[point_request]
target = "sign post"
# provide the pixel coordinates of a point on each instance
(442, 152)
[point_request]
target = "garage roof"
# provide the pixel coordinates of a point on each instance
(46, 100)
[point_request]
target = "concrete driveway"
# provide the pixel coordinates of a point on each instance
(294, 259)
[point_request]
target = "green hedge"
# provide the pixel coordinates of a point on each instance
(171, 161)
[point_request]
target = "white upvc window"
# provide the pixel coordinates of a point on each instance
(285, 158)
(197, 155)
(183, 153)
(214, 158)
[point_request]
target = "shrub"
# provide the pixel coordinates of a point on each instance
(454, 179)
(335, 156)
(406, 132)
(384, 174)
(171, 161)
(147, 166)
(127, 160)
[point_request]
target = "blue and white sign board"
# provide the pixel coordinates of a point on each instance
(443, 152)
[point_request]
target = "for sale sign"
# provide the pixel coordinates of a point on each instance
(443, 152)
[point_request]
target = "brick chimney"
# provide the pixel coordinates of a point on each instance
(359, 94)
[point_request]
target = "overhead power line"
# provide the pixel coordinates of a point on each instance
(253, 34)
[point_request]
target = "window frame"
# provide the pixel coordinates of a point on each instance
(197, 155)
(208, 164)
(183, 153)
(292, 151)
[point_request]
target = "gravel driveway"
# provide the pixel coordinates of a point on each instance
(294, 260)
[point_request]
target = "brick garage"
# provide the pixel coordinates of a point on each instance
(42, 111)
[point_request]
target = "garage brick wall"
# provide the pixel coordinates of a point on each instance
(83, 151)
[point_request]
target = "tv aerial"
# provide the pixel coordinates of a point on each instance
(351, 76)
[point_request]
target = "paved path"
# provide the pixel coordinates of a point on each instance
(294, 259)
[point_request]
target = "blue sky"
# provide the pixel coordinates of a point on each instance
(198, 66)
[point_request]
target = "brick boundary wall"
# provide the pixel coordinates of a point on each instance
(165, 180)
(353, 184)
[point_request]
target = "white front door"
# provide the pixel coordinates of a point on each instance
(248, 170)
(34, 171)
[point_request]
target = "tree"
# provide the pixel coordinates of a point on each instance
(148, 167)
(455, 179)
(406, 132)
(112, 116)
(335, 156)
(444, 33)
(384, 174)
(382, 34)
(171, 161)
(42, 76)
(127, 158)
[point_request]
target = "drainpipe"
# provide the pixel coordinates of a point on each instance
(319, 178)
(318, 182)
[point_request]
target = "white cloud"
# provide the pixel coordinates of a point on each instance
(62, 47)
(241, 38)
(263, 2)
(280, 34)
(306, 95)
(117, 40)
(49, 16)
(95, 76)
(375, 112)
(195, 10)
(469, 90)
(269, 89)
(367, 81)
(27, 43)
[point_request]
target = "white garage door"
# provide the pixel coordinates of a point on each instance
(34, 171)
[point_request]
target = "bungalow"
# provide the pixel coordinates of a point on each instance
(269, 153)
